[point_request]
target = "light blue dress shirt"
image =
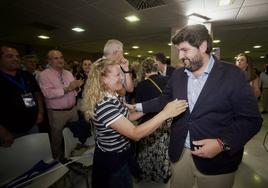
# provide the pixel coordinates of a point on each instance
(194, 88)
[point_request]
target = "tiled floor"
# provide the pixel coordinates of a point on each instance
(252, 173)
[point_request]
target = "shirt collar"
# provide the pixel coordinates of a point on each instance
(54, 70)
(109, 95)
(165, 70)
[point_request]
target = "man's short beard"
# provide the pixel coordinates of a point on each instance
(194, 64)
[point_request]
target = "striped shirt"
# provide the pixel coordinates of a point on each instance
(107, 111)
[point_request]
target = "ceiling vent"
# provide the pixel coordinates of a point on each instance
(42, 26)
(146, 4)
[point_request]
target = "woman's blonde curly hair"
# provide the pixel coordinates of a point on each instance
(94, 89)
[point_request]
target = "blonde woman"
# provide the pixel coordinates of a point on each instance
(112, 120)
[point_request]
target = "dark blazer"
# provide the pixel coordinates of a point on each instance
(226, 108)
(146, 90)
(170, 70)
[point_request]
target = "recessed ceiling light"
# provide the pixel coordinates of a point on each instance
(247, 52)
(43, 37)
(138, 55)
(78, 29)
(224, 2)
(170, 44)
(235, 57)
(216, 41)
(257, 178)
(150, 51)
(132, 18)
(262, 57)
(135, 47)
(126, 53)
(257, 46)
(167, 57)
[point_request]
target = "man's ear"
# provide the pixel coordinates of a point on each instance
(203, 47)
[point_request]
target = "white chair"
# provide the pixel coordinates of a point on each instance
(24, 153)
(72, 151)
(80, 155)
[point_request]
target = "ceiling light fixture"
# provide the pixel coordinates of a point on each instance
(170, 44)
(126, 53)
(262, 57)
(43, 37)
(138, 55)
(78, 29)
(216, 41)
(195, 18)
(135, 47)
(150, 51)
(132, 18)
(247, 52)
(167, 57)
(257, 46)
(225, 2)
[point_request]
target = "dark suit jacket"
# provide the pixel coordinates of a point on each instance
(226, 108)
(170, 70)
(146, 90)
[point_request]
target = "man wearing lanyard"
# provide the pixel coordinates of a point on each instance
(59, 89)
(21, 106)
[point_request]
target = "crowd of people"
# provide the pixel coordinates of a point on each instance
(188, 125)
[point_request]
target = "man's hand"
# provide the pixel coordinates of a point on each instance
(208, 148)
(124, 64)
(40, 117)
(75, 84)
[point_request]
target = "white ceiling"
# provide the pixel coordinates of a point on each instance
(239, 26)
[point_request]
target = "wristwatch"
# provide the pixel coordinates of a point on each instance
(225, 145)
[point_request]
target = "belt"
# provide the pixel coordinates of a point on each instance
(65, 109)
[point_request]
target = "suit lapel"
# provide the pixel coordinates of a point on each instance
(211, 84)
(180, 87)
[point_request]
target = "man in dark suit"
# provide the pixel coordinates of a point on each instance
(162, 65)
(206, 142)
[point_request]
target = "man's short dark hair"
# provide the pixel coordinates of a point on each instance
(29, 56)
(194, 35)
(2, 50)
(161, 57)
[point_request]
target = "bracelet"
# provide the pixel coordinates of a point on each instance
(220, 143)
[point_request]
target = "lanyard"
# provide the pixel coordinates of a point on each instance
(20, 84)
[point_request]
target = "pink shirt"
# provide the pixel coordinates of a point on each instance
(52, 87)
